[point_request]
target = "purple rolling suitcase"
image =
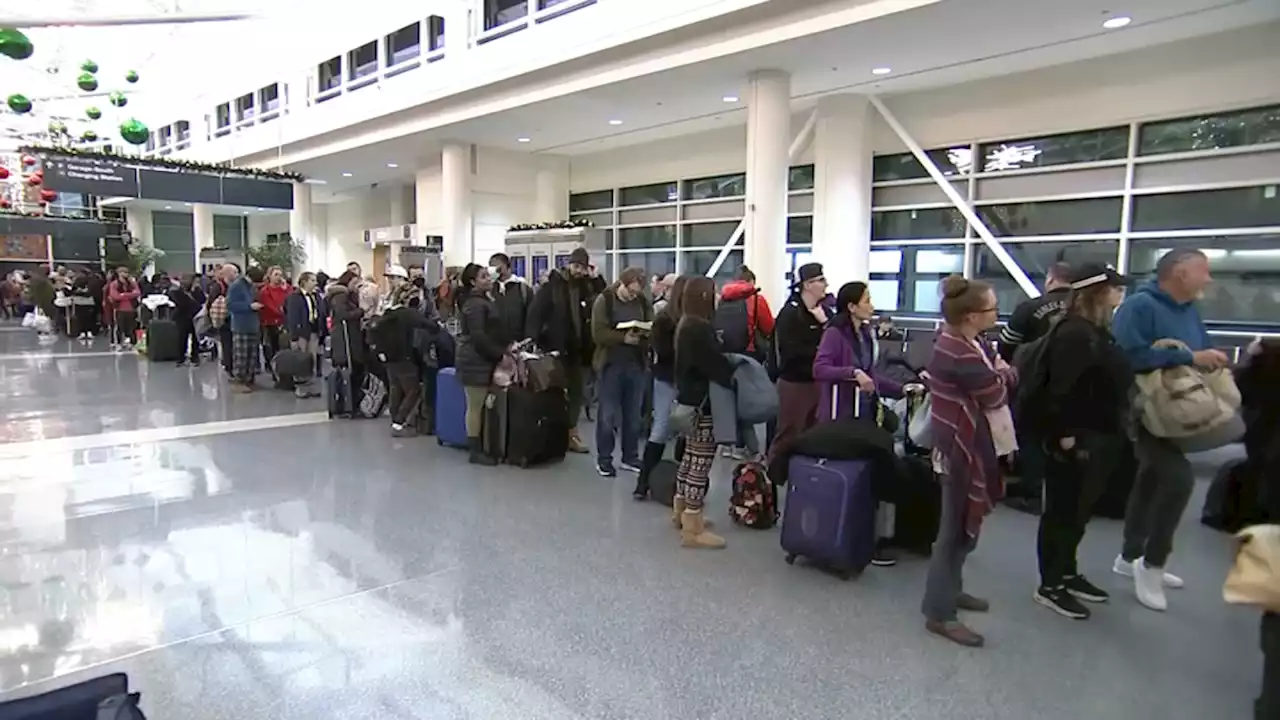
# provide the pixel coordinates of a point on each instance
(451, 409)
(830, 513)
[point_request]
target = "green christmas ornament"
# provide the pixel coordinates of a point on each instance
(131, 76)
(89, 66)
(19, 103)
(118, 98)
(87, 82)
(14, 44)
(134, 132)
(92, 113)
(89, 136)
(57, 127)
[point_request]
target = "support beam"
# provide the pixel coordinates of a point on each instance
(180, 18)
(960, 203)
(798, 146)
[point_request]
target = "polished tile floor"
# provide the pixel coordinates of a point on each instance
(243, 557)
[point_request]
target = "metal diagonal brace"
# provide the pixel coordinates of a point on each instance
(961, 204)
(796, 150)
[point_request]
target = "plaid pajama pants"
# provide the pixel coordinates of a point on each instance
(244, 356)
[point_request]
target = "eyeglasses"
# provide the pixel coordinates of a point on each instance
(993, 308)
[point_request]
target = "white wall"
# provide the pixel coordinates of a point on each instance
(343, 237)
(503, 193)
(263, 224)
(1231, 70)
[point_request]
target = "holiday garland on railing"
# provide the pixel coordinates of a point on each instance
(164, 163)
(560, 225)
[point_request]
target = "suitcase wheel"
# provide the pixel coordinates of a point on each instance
(791, 558)
(844, 575)
(440, 441)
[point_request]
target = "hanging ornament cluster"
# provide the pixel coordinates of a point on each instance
(134, 131)
(14, 44)
(117, 98)
(87, 82)
(93, 113)
(20, 104)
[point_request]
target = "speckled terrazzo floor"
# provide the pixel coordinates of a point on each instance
(277, 566)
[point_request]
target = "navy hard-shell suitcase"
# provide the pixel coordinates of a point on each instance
(341, 394)
(830, 514)
(451, 409)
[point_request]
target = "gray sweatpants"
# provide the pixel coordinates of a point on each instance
(946, 565)
(1160, 495)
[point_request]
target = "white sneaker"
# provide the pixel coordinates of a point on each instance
(1148, 585)
(1125, 568)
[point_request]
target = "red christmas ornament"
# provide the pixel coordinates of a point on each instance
(4, 173)
(28, 160)
(48, 196)
(34, 180)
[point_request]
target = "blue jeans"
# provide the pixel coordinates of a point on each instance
(664, 395)
(620, 387)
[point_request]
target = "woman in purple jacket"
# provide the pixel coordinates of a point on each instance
(846, 358)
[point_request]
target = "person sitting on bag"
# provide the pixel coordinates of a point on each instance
(699, 363)
(480, 347)
(305, 314)
(394, 343)
(187, 303)
(1162, 309)
(1078, 417)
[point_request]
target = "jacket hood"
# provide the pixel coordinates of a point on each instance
(1152, 288)
(513, 279)
(335, 290)
(737, 290)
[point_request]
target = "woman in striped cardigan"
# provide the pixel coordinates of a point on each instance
(972, 427)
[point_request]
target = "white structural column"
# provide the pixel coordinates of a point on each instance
(300, 225)
(202, 221)
(768, 138)
(456, 207)
(842, 145)
(551, 192)
(401, 203)
(138, 221)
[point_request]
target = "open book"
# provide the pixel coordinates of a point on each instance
(640, 325)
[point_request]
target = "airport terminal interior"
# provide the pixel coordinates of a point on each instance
(245, 554)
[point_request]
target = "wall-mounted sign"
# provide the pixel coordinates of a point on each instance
(116, 178)
(90, 175)
(433, 244)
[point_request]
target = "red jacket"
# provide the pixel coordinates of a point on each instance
(272, 298)
(759, 315)
(123, 298)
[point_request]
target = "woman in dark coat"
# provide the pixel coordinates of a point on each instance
(480, 347)
(347, 345)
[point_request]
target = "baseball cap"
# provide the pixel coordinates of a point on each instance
(807, 272)
(396, 271)
(1090, 274)
(579, 256)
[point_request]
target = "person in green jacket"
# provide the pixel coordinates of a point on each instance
(40, 291)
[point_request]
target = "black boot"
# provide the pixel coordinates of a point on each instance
(478, 456)
(652, 456)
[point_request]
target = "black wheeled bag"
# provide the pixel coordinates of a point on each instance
(535, 425)
(102, 697)
(163, 343)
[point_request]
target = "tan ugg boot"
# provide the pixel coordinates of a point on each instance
(677, 509)
(694, 534)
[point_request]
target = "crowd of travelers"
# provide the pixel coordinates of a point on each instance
(1078, 378)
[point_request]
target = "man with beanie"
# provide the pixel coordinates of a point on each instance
(559, 320)
(393, 342)
(797, 333)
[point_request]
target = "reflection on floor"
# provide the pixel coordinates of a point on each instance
(280, 568)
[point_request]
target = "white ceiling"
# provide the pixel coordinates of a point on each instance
(939, 45)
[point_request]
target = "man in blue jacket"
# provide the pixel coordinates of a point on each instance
(242, 312)
(1164, 308)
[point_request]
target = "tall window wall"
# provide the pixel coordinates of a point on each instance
(1121, 195)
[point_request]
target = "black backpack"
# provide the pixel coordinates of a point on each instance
(733, 325)
(1031, 361)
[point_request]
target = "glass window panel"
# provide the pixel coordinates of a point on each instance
(917, 224)
(1246, 274)
(903, 166)
(1208, 209)
(1208, 132)
(363, 60)
(501, 12)
(885, 261)
(1079, 147)
(1035, 259)
(723, 186)
(595, 200)
(330, 74)
(649, 194)
(658, 236)
(435, 32)
(654, 263)
(697, 262)
(912, 273)
(1056, 217)
(884, 294)
(708, 234)
(270, 97)
(800, 230)
(800, 178)
(404, 44)
(223, 114)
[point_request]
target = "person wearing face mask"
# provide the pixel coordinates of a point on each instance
(972, 429)
(797, 332)
(1164, 308)
(512, 296)
(620, 321)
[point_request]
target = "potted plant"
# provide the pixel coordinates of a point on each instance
(282, 250)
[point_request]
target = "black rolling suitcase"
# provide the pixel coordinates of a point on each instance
(524, 427)
(163, 343)
(103, 697)
(340, 393)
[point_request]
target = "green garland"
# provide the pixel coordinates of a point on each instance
(163, 163)
(560, 225)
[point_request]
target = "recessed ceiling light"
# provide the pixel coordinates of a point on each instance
(730, 98)
(1117, 22)
(346, 174)
(168, 207)
(523, 140)
(392, 165)
(187, 204)
(246, 212)
(615, 122)
(881, 70)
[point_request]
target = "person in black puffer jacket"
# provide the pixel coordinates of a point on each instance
(393, 338)
(481, 343)
(1085, 407)
(662, 341)
(797, 333)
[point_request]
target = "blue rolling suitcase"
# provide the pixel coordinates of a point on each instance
(451, 409)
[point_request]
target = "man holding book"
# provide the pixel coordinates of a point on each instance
(621, 318)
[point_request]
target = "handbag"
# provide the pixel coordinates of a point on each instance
(683, 418)
(920, 428)
(1254, 578)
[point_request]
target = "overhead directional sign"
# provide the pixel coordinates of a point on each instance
(116, 178)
